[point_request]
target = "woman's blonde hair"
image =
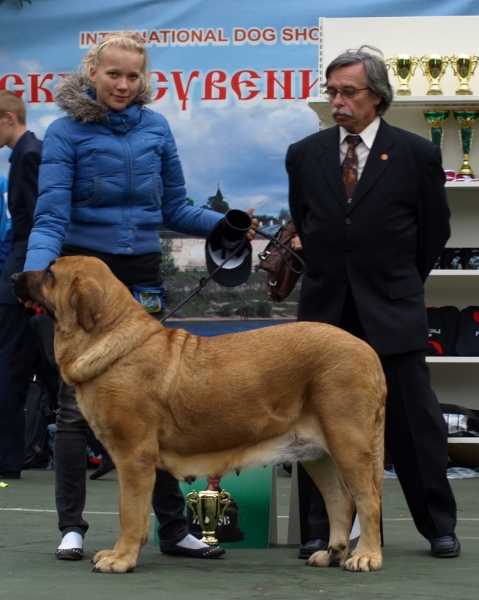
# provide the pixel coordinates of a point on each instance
(126, 40)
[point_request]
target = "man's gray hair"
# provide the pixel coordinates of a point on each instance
(377, 79)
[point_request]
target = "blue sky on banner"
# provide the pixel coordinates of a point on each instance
(230, 76)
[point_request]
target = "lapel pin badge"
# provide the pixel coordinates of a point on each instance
(384, 156)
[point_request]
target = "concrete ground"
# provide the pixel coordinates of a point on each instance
(28, 568)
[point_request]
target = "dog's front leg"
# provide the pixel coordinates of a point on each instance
(136, 489)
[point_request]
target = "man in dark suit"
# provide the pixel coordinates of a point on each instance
(18, 348)
(372, 218)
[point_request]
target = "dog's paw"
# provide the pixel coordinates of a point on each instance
(108, 561)
(364, 562)
(323, 559)
(333, 557)
(102, 554)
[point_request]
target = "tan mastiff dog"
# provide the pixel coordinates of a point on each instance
(196, 406)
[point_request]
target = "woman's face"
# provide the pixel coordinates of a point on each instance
(117, 77)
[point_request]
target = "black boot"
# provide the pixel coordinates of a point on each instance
(104, 467)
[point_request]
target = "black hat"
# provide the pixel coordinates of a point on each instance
(227, 242)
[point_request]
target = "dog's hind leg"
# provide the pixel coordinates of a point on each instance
(136, 477)
(366, 493)
(340, 508)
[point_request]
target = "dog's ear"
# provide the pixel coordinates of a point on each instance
(87, 300)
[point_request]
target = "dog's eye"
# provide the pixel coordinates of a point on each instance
(49, 273)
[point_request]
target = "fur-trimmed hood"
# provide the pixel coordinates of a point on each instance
(76, 95)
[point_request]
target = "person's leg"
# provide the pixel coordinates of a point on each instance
(169, 506)
(416, 437)
(18, 352)
(313, 518)
(70, 469)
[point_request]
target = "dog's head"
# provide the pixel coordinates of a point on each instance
(72, 289)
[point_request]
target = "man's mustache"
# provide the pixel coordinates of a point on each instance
(342, 111)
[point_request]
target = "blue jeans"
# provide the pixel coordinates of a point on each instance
(70, 478)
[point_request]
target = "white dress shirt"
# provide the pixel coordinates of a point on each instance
(368, 136)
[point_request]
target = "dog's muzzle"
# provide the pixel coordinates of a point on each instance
(19, 286)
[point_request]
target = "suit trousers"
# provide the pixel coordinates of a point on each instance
(18, 352)
(416, 438)
(70, 478)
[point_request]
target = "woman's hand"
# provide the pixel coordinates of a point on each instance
(33, 304)
(254, 225)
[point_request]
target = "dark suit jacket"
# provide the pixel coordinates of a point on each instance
(383, 245)
(22, 199)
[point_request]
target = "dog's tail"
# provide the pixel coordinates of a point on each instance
(378, 444)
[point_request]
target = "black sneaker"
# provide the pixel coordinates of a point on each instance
(104, 467)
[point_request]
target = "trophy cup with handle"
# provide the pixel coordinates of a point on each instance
(464, 66)
(434, 67)
(403, 66)
(208, 508)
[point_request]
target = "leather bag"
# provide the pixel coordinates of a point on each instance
(283, 265)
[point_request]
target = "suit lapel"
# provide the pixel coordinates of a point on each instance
(328, 158)
(382, 155)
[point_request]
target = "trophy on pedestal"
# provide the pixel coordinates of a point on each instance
(436, 118)
(463, 66)
(434, 67)
(466, 118)
(208, 507)
(403, 66)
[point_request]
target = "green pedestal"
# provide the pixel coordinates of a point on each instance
(251, 492)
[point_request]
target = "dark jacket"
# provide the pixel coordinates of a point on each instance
(383, 245)
(22, 198)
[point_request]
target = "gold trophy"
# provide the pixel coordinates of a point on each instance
(436, 118)
(466, 118)
(464, 66)
(434, 67)
(208, 507)
(403, 66)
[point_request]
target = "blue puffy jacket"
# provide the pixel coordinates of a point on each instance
(107, 180)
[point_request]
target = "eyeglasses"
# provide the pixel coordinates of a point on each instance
(347, 92)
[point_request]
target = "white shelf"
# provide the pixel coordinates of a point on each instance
(454, 273)
(462, 185)
(452, 359)
(464, 440)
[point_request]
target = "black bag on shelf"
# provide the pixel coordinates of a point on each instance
(443, 330)
(468, 338)
(461, 421)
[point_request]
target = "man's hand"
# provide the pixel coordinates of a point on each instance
(296, 244)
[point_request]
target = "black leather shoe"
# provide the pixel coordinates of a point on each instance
(306, 550)
(104, 467)
(447, 546)
(10, 475)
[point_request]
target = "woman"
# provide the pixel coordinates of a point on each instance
(110, 175)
